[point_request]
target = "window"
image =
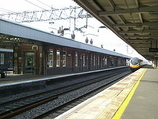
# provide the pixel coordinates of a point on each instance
(105, 60)
(76, 59)
(64, 59)
(94, 60)
(58, 58)
(91, 59)
(50, 58)
(98, 60)
(2, 58)
(84, 62)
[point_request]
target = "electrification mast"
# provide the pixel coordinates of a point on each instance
(47, 15)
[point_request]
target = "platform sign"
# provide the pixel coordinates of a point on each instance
(153, 49)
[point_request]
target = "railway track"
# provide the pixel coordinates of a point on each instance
(40, 104)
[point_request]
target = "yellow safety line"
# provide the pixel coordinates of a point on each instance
(122, 108)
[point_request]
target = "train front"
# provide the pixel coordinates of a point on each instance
(134, 63)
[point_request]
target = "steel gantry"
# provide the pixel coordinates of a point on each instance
(75, 12)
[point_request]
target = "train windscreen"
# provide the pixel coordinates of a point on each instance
(135, 61)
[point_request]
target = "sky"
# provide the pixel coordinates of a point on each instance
(100, 36)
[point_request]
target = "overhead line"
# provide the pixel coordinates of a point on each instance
(35, 4)
(44, 3)
(5, 10)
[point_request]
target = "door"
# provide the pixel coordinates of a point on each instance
(29, 64)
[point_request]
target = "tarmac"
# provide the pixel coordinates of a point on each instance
(144, 103)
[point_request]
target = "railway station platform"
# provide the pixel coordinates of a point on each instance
(19, 78)
(134, 97)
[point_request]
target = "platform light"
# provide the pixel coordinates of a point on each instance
(86, 40)
(101, 27)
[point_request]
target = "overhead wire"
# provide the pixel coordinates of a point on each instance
(62, 13)
(49, 7)
(35, 4)
(6, 10)
(79, 22)
(55, 14)
(43, 3)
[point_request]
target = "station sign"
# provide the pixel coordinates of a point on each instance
(153, 49)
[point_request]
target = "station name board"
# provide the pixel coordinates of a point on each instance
(153, 49)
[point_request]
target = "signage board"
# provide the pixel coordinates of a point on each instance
(153, 49)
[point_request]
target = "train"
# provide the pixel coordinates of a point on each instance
(136, 63)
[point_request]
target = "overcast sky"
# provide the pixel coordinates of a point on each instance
(104, 37)
(22, 5)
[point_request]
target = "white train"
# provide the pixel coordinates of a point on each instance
(135, 63)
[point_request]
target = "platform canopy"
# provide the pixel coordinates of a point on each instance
(134, 21)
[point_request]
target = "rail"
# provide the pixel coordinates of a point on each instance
(57, 93)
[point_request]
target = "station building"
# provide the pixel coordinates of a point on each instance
(39, 52)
